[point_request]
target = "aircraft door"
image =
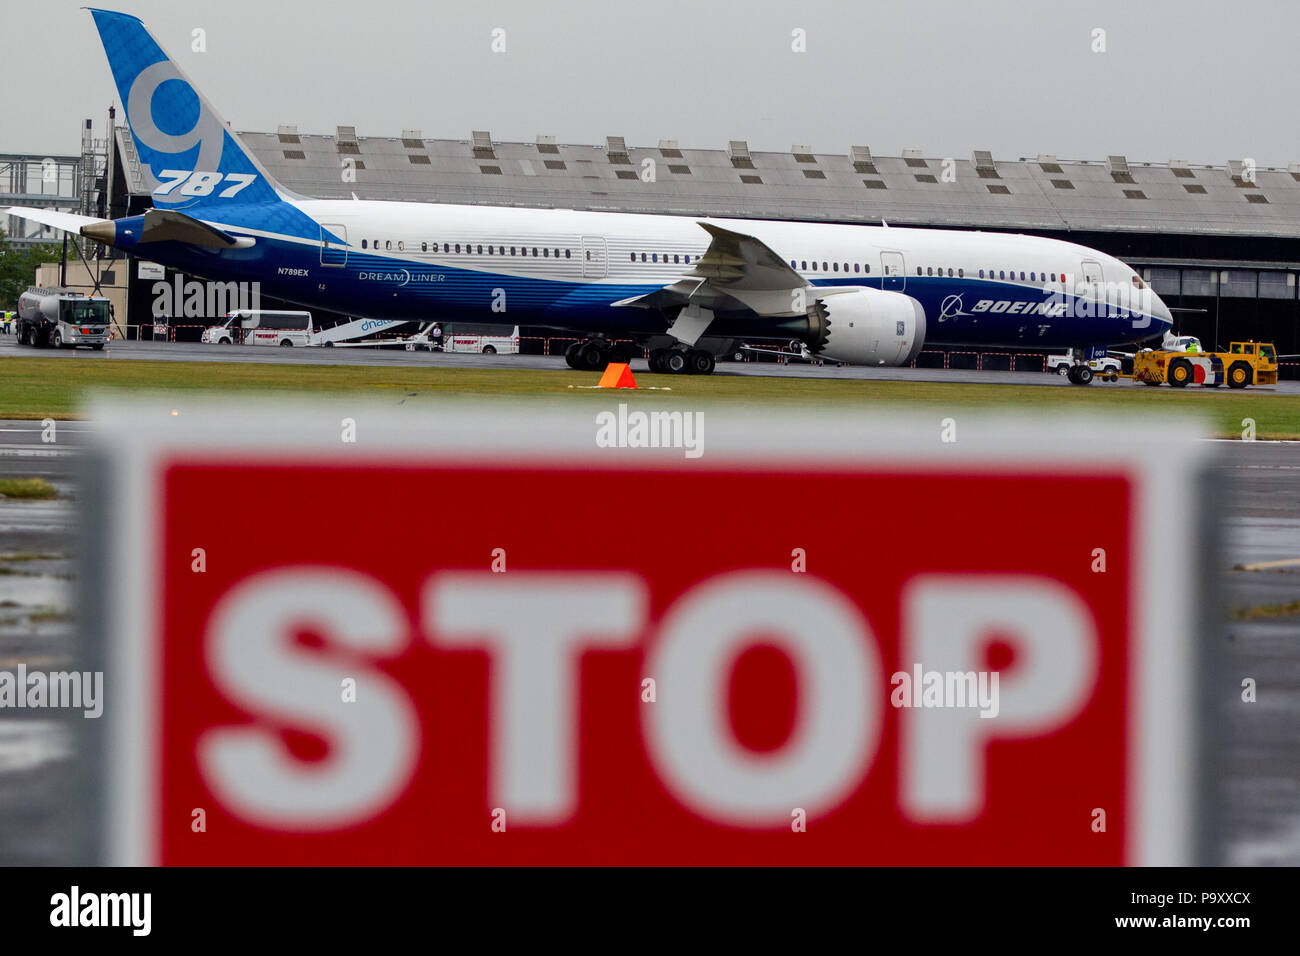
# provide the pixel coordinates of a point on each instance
(1092, 280)
(893, 270)
(333, 252)
(593, 257)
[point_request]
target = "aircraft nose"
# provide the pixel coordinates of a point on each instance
(1160, 312)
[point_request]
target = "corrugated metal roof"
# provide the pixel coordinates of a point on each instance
(708, 182)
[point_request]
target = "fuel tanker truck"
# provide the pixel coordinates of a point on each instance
(62, 319)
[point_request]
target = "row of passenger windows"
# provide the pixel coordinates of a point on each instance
(802, 266)
(993, 274)
(655, 257)
(678, 258)
(470, 248)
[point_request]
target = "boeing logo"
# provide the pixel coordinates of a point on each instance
(1049, 308)
(951, 308)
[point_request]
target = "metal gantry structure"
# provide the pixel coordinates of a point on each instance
(67, 183)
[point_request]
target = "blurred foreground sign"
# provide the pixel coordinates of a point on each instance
(497, 635)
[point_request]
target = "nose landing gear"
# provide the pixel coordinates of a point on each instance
(1078, 371)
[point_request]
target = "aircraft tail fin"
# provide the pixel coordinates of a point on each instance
(188, 155)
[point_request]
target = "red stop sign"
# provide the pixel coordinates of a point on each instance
(574, 654)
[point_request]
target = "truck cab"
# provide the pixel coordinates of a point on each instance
(1263, 349)
(1251, 363)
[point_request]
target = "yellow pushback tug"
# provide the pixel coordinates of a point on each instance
(1245, 363)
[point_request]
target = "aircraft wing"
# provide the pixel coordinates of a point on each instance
(65, 221)
(736, 268)
(740, 261)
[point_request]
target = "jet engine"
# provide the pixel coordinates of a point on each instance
(871, 327)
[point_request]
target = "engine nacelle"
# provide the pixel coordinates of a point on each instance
(872, 327)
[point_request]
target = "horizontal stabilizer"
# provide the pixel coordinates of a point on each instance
(65, 221)
(166, 225)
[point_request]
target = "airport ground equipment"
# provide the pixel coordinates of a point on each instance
(61, 318)
(1245, 363)
(1105, 367)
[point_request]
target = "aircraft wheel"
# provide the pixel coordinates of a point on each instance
(656, 360)
(675, 361)
(620, 353)
(1082, 375)
(593, 357)
(571, 355)
(700, 362)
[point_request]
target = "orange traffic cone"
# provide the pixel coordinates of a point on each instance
(617, 375)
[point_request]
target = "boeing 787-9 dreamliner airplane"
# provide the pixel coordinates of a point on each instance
(679, 285)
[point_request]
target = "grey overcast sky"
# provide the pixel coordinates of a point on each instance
(1202, 81)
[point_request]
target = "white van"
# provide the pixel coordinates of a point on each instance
(262, 327)
(483, 344)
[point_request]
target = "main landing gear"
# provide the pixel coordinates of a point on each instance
(594, 354)
(682, 361)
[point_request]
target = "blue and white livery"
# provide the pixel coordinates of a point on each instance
(681, 286)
